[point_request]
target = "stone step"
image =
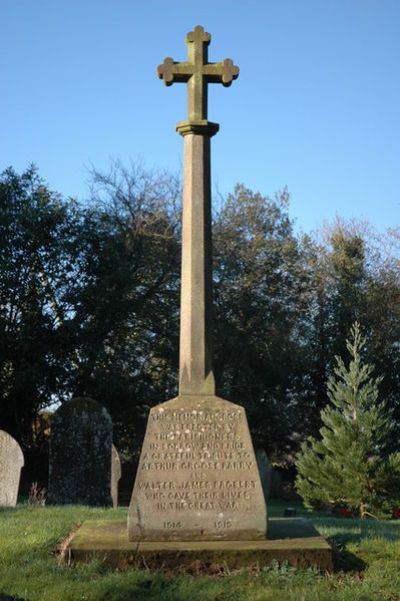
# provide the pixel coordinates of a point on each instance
(292, 540)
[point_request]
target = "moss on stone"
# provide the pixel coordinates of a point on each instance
(108, 541)
(80, 454)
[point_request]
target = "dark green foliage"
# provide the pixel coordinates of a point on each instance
(128, 310)
(259, 296)
(349, 465)
(89, 305)
(38, 230)
(89, 298)
(350, 277)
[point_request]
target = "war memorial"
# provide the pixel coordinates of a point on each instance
(197, 494)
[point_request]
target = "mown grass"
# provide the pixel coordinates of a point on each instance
(368, 565)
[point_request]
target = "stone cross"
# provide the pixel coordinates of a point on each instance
(196, 375)
(197, 72)
(197, 476)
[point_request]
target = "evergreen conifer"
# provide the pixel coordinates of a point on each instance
(350, 465)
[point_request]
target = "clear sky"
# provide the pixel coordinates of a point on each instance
(316, 106)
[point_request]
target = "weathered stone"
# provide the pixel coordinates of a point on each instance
(115, 475)
(80, 454)
(11, 463)
(197, 476)
(265, 469)
(195, 354)
(196, 374)
(197, 72)
(294, 541)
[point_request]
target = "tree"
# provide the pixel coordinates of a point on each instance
(128, 313)
(353, 275)
(258, 297)
(37, 268)
(350, 464)
(88, 297)
(89, 305)
(338, 283)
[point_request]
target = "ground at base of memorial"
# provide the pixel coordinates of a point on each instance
(367, 559)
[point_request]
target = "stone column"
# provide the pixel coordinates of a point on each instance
(195, 364)
(197, 477)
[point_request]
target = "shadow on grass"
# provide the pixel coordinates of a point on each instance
(342, 533)
(344, 560)
(4, 597)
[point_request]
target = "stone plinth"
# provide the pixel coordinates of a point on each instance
(197, 476)
(293, 540)
(11, 463)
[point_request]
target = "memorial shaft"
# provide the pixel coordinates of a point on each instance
(195, 360)
(196, 375)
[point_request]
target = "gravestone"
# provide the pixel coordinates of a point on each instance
(197, 477)
(11, 463)
(265, 468)
(115, 475)
(80, 454)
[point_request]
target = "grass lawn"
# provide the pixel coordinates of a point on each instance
(368, 559)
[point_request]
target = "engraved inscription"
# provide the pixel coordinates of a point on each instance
(200, 443)
(222, 524)
(197, 477)
(172, 525)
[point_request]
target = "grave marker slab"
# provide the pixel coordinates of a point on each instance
(11, 463)
(80, 454)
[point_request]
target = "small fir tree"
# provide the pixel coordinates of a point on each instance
(350, 465)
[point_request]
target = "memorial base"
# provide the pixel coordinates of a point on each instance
(291, 540)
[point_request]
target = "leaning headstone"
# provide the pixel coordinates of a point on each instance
(11, 463)
(80, 454)
(265, 469)
(115, 475)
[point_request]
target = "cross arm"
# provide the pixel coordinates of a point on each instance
(224, 72)
(171, 71)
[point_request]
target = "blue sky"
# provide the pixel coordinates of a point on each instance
(315, 108)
